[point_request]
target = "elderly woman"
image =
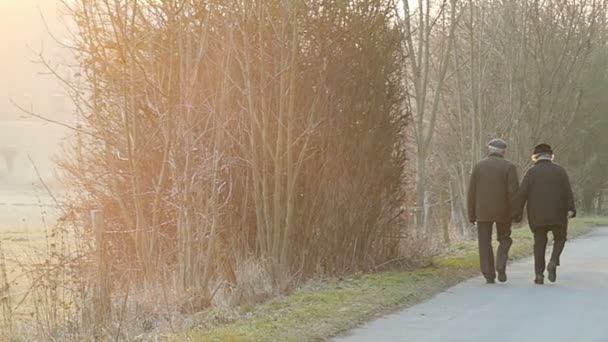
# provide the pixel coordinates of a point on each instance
(547, 192)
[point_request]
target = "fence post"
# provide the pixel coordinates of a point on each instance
(102, 298)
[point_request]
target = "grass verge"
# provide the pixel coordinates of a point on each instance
(314, 314)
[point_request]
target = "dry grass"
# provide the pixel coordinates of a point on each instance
(26, 220)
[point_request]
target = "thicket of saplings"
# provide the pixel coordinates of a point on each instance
(229, 151)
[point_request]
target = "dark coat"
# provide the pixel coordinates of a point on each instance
(492, 190)
(547, 191)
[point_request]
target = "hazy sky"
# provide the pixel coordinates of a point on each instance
(23, 35)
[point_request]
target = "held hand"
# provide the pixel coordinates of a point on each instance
(517, 217)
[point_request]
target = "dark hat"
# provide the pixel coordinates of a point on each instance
(498, 143)
(543, 149)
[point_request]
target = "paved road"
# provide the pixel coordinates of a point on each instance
(574, 309)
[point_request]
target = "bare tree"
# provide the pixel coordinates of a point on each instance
(429, 39)
(517, 71)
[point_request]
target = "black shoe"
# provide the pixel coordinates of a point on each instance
(502, 277)
(552, 269)
(490, 281)
(539, 280)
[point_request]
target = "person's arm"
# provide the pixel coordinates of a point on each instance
(521, 198)
(569, 196)
(472, 196)
(512, 187)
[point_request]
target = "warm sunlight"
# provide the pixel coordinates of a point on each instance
(24, 35)
(24, 81)
(303, 170)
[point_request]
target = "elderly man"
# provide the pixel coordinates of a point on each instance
(492, 190)
(547, 191)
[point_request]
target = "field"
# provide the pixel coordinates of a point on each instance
(25, 220)
(27, 150)
(27, 212)
(21, 141)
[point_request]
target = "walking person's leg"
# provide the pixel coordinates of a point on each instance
(503, 235)
(486, 254)
(540, 246)
(559, 242)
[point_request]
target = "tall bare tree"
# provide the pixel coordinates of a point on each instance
(429, 39)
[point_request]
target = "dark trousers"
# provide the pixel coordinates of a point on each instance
(540, 246)
(486, 253)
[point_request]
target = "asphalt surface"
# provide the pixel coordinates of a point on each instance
(574, 309)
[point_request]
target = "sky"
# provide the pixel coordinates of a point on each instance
(23, 35)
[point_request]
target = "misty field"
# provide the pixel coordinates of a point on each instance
(30, 143)
(27, 210)
(24, 239)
